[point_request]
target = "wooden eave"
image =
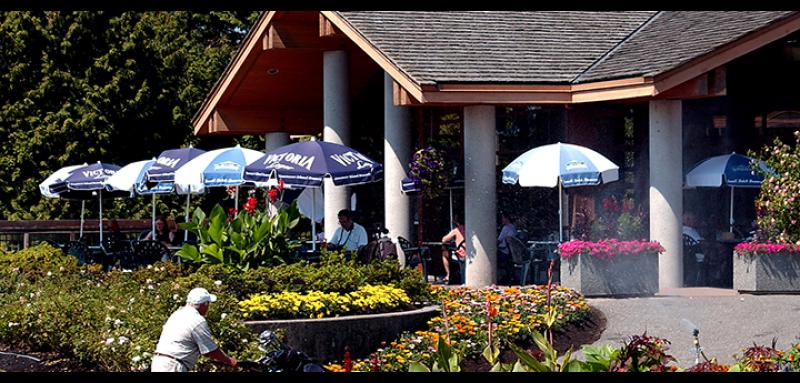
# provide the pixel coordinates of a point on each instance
(684, 81)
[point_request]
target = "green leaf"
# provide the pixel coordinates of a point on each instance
(418, 367)
(528, 360)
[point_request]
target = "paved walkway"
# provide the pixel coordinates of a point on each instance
(728, 321)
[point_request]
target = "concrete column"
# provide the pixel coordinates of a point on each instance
(480, 199)
(666, 194)
(276, 140)
(336, 117)
(396, 153)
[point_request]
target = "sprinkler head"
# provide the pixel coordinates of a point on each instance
(696, 332)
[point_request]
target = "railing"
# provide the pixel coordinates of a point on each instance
(17, 235)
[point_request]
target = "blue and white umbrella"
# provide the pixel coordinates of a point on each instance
(83, 182)
(562, 165)
(305, 164)
(733, 170)
(131, 178)
(161, 175)
(221, 167)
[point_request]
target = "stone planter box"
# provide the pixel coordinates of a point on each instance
(623, 275)
(767, 273)
(325, 339)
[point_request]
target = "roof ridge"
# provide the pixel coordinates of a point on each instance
(608, 54)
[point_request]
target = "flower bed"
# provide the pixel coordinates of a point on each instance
(519, 312)
(316, 304)
(610, 267)
(766, 267)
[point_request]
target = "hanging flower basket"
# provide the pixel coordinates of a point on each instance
(427, 171)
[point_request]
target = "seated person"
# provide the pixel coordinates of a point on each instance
(350, 236)
(457, 234)
(689, 227)
(503, 253)
(176, 236)
(162, 233)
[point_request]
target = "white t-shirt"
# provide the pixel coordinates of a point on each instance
(185, 336)
(691, 232)
(351, 240)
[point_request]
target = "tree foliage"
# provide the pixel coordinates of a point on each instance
(778, 204)
(115, 87)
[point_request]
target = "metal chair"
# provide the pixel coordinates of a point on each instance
(520, 258)
(540, 262)
(149, 252)
(693, 253)
(415, 255)
(80, 251)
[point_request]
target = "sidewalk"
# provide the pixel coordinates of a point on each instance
(728, 321)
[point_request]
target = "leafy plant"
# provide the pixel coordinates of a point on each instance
(778, 204)
(428, 170)
(250, 239)
(642, 353)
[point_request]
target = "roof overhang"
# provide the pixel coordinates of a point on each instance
(703, 76)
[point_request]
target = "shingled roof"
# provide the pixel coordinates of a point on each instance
(549, 47)
(517, 47)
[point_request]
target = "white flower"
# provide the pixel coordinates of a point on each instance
(224, 315)
(141, 291)
(149, 266)
(131, 300)
(138, 348)
(136, 359)
(117, 322)
(109, 340)
(49, 273)
(146, 354)
(175, 297)
(61, 268)
(150, 287)
(12, 324)
(122, 340)
(108, 318)
(148, 281)
(217, 283)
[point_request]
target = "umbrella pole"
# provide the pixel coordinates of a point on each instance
(451, 207)
(100, 196)
(186, 218)
(313, 219)
(731, 219)
(83, 208)
(153, 216)
(236, 199)
(560, 225)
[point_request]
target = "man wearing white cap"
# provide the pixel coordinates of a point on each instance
(186, 335)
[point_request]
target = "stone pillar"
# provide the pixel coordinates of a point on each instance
(396, 153)
(480, 199)
(666, 193)
(336, 117)
(276, 140)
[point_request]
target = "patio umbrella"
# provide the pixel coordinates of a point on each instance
(130, 178)
(58, 175)
(162, 174)
(562, 165)
(221, 167)
(305, 164)
(733, 170)
(83, 182)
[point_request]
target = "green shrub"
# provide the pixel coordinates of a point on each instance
(778, 203)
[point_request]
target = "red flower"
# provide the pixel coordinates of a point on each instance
(273, 194)
(250, 205)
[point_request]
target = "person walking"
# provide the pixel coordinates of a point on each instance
(185, 336)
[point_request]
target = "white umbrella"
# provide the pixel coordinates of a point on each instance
(733, 170)
(562, 165)
(221, 167)
(58, 175)
(130, 178)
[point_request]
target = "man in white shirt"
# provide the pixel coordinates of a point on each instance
(689, 227)
(186, 335)
(349, 236)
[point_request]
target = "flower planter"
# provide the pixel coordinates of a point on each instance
(610, 268)
(325, 339)
(766, 273)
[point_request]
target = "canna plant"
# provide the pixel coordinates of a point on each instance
(246, 240)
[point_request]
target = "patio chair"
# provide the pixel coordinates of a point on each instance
(80, 251)
(415, 255)
(694, 258)
(149, 252)
(539, 263)
(520, 258)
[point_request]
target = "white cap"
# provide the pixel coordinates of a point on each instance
(199, 295)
